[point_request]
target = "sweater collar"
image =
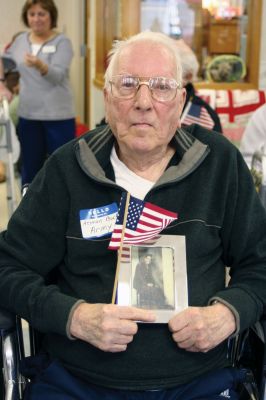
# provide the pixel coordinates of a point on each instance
(94, 149)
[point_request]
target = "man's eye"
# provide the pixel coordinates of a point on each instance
(162, 86)
(128, 83)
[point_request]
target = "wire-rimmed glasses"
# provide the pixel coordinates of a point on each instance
(126, 87)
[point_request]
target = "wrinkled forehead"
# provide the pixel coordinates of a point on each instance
(146, 59)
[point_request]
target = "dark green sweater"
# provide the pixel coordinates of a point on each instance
(207, 183)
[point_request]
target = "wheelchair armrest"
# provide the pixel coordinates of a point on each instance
(257, 337)
(263, 373)
(12, 352)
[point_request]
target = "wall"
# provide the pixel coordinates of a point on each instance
(96, 95)
(10, 20)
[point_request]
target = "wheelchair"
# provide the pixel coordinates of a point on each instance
(246, 351)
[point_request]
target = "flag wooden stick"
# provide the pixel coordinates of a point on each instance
(120, 248)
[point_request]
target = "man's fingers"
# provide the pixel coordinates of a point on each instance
(117, 348)
(120, 326)
(179, 321)
(186, 344)
(136, 314)
(123, 339)
(182, 335)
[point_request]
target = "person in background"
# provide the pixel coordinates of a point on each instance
(11, 82)
(46, 110)
(4, 91)
(254, 136)
(57, 269)
(196, 110)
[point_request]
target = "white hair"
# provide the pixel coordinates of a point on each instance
(146, 36)
(190, 64)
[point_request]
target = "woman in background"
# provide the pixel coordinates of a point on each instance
(46, 111)
(254, 136)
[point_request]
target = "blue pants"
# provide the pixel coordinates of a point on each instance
(38, 139)
(55, 383)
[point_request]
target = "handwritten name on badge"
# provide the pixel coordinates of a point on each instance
(98, 222)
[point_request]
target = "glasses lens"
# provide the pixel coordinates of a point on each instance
(124, 86)
(163, 89)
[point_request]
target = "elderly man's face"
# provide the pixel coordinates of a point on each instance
(143, 125)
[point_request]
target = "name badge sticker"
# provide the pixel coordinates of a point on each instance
(98, 222)
(49, 49)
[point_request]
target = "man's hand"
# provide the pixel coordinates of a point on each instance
(107, 326)
(202, 328)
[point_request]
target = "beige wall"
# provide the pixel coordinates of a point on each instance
(10, 20)
(96, 95)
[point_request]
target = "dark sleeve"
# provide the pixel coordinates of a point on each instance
(244, 241)
(32, 249)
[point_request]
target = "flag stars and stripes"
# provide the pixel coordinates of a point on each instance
(143, 221)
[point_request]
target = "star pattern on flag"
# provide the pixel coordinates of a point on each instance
(144, 221)
(134, 211)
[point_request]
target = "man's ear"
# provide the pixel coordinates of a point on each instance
(106, 96)
(183, 97)
(180, 108)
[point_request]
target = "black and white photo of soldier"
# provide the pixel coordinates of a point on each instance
(148, 283)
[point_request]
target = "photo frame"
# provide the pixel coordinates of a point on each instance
(153, 275)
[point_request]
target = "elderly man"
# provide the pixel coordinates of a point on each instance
(99, 350)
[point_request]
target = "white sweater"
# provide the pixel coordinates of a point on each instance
(254, 136)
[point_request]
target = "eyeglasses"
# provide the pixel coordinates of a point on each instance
(161, 89)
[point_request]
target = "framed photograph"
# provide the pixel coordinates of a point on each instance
(153, 275)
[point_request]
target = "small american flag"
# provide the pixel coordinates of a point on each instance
(196, 114)
(144, 221)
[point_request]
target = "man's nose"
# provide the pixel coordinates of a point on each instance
(143, 97)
